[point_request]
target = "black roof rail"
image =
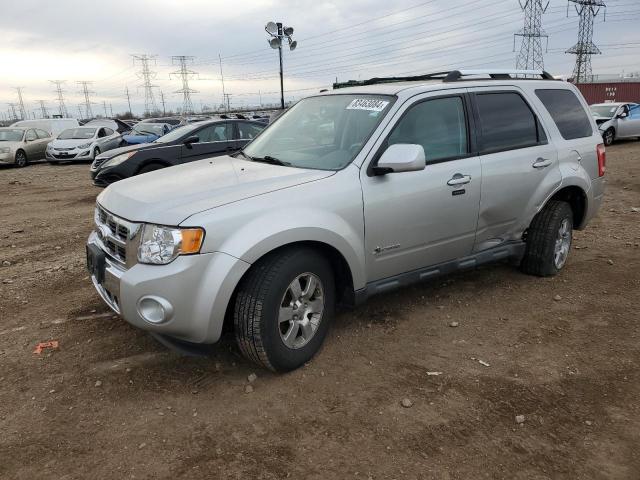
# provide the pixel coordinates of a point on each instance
(379, 80)
(452, 76)
(459, 75)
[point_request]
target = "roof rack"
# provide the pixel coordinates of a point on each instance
(452, 76)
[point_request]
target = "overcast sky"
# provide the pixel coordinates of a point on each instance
(93, 41)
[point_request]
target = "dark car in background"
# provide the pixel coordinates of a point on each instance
(184, 144)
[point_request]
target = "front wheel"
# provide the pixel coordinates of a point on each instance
(21, 159)
(609, 136)
(549, 240)
(283, 308)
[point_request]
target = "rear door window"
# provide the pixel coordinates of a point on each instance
(567, 113)
(507, 122)
(248, 131)
(218, 132)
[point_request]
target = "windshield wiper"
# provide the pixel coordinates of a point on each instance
(270, 159)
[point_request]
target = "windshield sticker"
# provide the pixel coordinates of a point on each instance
(369, 104)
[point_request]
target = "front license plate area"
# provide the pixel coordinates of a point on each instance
(96, 262)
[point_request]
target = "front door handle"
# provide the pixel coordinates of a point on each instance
(459, 179)
(542, 163)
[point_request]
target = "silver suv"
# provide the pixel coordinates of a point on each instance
(350, 193)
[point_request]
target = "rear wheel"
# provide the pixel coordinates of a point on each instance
(21, 159)
(549, 240)
(283, 308)
(609, 136)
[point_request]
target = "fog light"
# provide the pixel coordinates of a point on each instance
(155, 309)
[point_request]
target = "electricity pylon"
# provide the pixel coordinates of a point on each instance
(87, 102)
(62, 108)
(587, 10)
(530, 56)
(185, 74)
(147, 75)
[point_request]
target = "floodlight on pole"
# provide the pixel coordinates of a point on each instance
(278, 33)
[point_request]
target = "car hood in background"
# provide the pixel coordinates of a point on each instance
(71, 143)
(12, 145)
(171, 195)
(601, 120)
(133, 139)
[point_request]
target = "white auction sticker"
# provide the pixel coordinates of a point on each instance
(370, 104)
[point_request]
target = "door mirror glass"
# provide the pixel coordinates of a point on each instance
(623, 114)
(401, 157)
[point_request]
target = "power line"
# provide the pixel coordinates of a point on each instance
(147, 75)
(62, 108)
(587, 10)
(530, 56)
(185, 74)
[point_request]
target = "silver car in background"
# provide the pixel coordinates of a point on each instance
(82, 143)
(617, 120)
(20, 145)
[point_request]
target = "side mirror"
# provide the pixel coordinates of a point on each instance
(401, 157)
(189, 140)
(623, 115)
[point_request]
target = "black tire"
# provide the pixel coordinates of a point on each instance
(21, 159)
(150, 168)
(96, 152)
(609, 136)
(539, 257)
(258, 301)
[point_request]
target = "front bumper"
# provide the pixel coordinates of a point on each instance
(196, 287)
(75, 154)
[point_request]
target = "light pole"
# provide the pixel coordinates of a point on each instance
(278, 32)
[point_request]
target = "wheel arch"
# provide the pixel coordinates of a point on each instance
(152, 161)
(343, 277)
(576, 197)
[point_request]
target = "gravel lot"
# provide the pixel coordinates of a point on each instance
(398, 391)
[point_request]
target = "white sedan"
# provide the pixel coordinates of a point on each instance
(82, 143)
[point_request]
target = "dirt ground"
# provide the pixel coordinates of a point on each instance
(112, 403)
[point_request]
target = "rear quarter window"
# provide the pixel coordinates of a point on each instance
(567, 113)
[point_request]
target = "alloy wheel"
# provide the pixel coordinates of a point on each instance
(301, 310)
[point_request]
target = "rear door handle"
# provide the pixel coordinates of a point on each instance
(459, 179)
(542, 163)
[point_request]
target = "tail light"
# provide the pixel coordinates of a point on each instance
(602, 160)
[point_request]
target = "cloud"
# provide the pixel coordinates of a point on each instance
(81, 40)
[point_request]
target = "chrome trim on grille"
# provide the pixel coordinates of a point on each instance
(117, 237)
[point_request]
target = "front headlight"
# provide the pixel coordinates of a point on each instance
(118, 159)
(5, 150)
(161, 245)
(84, 145)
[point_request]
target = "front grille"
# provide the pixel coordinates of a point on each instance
(64, 156)
(116, 236)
